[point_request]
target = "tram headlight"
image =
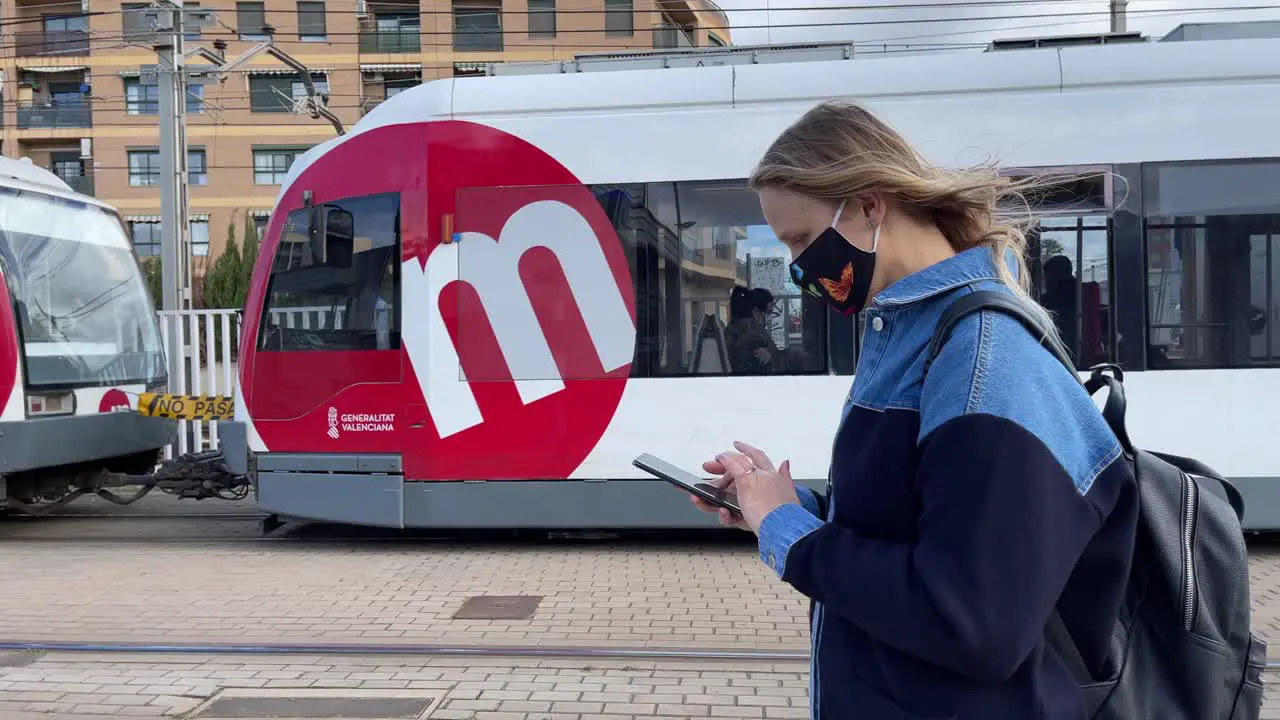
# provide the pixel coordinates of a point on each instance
(47, 404)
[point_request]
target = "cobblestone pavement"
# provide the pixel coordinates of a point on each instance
(669, 595)
(85, 687)
(465, 688)
(656, 595)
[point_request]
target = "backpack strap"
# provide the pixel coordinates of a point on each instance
(1000, 301)
(1056, 630)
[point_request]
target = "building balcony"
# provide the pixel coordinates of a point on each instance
(68, 42)
(404, 40)
(49, 115)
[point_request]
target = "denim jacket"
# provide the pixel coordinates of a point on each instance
(961, 508)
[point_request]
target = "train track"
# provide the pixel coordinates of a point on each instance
(140, 516)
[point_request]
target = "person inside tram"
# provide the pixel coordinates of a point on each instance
(751, 348)
(964, 505)
(1059, 298)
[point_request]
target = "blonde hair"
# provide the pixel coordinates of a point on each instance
(838, 150)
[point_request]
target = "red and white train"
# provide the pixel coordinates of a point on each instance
(79, 341)
(477, 307)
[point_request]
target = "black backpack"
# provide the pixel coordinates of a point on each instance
(1182, 648)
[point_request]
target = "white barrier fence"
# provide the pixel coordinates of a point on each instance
(207, 343)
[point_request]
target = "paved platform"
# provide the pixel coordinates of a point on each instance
(658, 595)
(670, 595)
(82, 685)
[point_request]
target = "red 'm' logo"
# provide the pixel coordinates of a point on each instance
(517, 329)
(114, 401)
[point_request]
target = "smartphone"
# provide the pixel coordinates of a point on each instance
(688, 482)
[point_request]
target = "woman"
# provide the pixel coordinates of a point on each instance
(751, 349)
(958, 504)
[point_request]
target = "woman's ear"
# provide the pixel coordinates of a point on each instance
(872, 208)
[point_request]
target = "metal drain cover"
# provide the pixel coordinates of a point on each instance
(498, 607)
(320, 704)
(18, 659)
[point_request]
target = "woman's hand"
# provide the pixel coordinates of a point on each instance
(759, 487)
(724, 482)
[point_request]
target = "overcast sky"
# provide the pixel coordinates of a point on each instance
(928, 24)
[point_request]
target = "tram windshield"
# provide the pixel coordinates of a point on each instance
(83, 311)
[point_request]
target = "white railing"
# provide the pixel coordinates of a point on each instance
(205, 341)
(208, 360)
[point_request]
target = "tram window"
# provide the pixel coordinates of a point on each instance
(1213, 264)
(1071, 276)
(342, 303)
(691, 245)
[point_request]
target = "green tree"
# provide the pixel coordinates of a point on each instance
(248, 258)
(151, 274)
(1050, 247)
(222, 280)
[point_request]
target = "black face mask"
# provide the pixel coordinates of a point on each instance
(834, 271)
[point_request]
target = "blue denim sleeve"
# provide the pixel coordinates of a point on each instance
(808, 499)
(780, 529)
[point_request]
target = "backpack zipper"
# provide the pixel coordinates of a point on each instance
(1189, 566)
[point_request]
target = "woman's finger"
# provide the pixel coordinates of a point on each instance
(728, 519)
(756, 455)
(715, 467)
(735, 464)
(703, 505)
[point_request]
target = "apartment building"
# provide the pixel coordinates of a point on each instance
(74, 100)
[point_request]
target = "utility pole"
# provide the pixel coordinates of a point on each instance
(174, 227)
(1118, 12)
(167, 21)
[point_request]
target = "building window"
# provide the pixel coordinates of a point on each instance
(133, 20)
(715, 40)
(197, 167)
(63, 34)
(1213, 264)
(193, 33)
(146, 238)
(144, 168)
(394, 86)
(199, 237)
(351, 298)
(298, 89)
(140, 99)
(270, 166)
(692, 245)
(260, 226)
(277, 93)
(144, 99)
(477, 25)
(619, 18)
(195, 99)
(542, 18)
(311, 25)
(68, 166)
(251, 18)
(392, 32)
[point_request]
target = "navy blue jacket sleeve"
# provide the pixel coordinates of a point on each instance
(1009, 449)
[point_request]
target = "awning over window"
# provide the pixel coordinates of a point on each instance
(390, 67)
(285, 71)
(50, 69)
(142, 218)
